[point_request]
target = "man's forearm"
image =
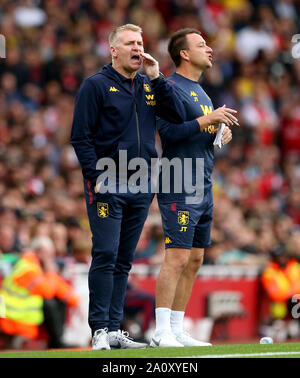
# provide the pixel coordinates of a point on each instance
(203, 122)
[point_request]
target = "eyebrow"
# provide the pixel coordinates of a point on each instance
(133, 40)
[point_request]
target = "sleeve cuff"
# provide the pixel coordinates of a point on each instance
(160, 76)
(193, 127)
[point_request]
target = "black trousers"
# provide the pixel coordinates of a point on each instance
(54, 321)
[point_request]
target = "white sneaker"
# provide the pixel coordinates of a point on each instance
(186, 340)
(100, 340)
(164, 340)
(121, 340)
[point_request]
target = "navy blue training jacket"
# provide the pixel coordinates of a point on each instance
(115, 113)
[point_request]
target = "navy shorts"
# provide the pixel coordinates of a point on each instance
(187, 226)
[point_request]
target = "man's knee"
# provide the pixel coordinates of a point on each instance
(177, 258)
(103, 259)
(123, 266)
(195, 259)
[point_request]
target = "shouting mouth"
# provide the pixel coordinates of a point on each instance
(136, 58)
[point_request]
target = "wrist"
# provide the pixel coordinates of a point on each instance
(203, 122)
(158, 76)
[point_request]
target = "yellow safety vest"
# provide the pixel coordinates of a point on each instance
(20, 305)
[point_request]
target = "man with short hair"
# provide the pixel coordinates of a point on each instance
(115, 111)
(186, 218)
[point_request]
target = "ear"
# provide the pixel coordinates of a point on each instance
(184, 55)
(113, 52)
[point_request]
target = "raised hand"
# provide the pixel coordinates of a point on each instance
(219, 115)
(151, 66)
(223, 115)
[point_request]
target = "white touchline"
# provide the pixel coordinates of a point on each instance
(243, 355)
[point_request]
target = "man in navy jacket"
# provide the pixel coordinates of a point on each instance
(115, 111)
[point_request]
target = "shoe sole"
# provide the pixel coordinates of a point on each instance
(143, 347)
(119, 346)
(197, 345)
(102, 349)
(153, 345)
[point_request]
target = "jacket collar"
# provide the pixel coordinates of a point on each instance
(108, 70)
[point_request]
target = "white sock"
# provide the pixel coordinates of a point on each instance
(163, 319)
(177, 322)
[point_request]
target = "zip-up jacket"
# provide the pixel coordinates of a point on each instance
(115, 113)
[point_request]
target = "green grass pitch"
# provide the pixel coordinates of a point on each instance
(281, 350)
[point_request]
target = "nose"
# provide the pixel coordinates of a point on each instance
(137, 47)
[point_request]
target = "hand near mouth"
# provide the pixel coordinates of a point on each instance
(151, 66)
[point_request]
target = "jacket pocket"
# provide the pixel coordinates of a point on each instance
(131, 148)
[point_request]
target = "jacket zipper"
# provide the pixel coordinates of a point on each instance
(137, 121)
(137, 129)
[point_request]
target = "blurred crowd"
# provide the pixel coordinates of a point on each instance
(51, 46)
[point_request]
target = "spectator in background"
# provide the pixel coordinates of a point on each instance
(293, 204)
(281, 281)
(75, 271)
(256, 38)
(293, 244)
(36, 295)
(259, 112)
(8, 239)
(59, 235)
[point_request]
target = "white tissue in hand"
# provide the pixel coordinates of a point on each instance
(218, 138)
